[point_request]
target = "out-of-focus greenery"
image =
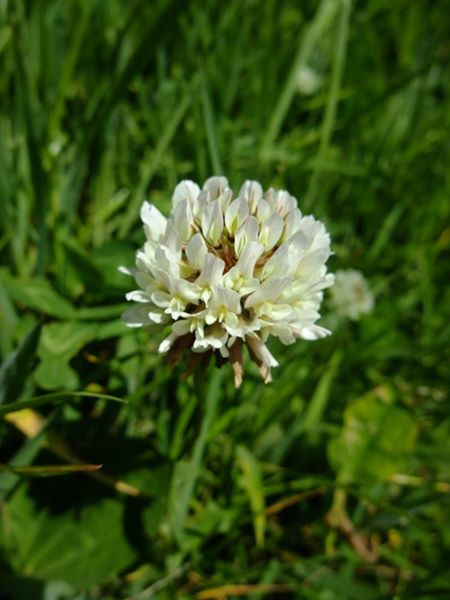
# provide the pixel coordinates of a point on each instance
(333, 482)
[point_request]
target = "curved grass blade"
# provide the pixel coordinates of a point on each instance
(49, 470)
(55, 398)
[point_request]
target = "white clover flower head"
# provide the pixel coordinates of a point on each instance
(350, 295)
(223, 272)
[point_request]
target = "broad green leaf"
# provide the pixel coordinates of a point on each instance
(374, 443)
(81, 267)
(16, 368)
(340, 585)
(114, 329)
(53, 373)
(66, 339)
(94, 313)
(37, 294)
(80, 546)
(60, 342)
(110, 256)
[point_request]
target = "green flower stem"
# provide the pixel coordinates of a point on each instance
(187, 479)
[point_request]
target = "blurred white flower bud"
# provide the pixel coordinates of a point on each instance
(350, 295)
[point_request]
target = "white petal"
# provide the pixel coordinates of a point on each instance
(276, 312)
(137, 296)
(271, 231)
(312, 262)
(167, 344)
(214, 337)
(286, 258)
(284, 333)
(176, 308)
(292, 223)
(126, 271)
(183, 219)
(252, 191)
(236, 215)
(248, 286)
(210, 318)
(144, 280)
(144, 262)
(212, 222)
(240, 283)
(249, 257)
(268, 291)
(196, 251)
(167, 261)
(215, 186)
(182, 327)
(313, 332)
(224, 352)
(225, 199)
(154, 222)
(281, 201)
(157, 316)
(204, 198)
(212, 271)
(136, 316)
(186, 289)
(231, 320)
(186, 190)
(224, 297)
(263, 354)
(247, 233)
(172, 239)
(263, 211)
(235, 326)
(161, 299)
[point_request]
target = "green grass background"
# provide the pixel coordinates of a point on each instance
(333, 482)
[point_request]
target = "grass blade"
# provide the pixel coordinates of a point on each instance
(319, 400)
(253, 485)
(307, 41)
(153, 165)
(49, 470)
(333, 96)
(211, 129)
(55, 398)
